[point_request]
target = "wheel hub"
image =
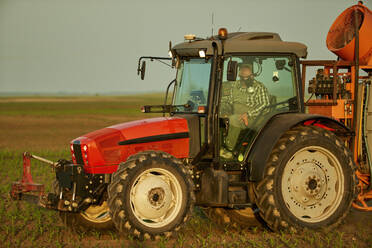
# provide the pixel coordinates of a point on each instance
(312, 183)
(306, 181)
(152, 196)
(156, 196)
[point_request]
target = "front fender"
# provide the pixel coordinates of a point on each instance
(275, 128)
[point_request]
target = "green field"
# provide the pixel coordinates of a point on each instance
(46, 125)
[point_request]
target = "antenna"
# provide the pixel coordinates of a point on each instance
(212, 22)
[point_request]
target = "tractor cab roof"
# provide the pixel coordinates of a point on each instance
(242, 42)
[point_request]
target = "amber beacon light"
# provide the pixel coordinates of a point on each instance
(222, 33)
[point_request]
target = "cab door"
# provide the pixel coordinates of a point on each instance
(247, 104)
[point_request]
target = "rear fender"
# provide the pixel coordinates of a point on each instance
(275, 128)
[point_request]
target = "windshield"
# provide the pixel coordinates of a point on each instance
(192, 85)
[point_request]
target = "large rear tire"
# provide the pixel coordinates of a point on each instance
(150, 195)
(309, 181)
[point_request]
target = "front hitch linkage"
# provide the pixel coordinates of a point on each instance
(26, 184)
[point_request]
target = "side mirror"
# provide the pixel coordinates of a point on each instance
(172, 54)
(143, 69)
(232, 69)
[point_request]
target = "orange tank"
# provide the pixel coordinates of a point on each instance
(341, 35)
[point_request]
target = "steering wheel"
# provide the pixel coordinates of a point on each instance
(288, 102)
(276, 104)
(189, 105)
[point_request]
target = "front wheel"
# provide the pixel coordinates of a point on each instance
(96, 217)
(309, 181)
(151, 194)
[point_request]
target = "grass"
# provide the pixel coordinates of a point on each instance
(26, 225)
(29, 123)
(75, 106)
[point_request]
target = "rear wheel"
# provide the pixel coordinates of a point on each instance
(151, 194)
(309, 181)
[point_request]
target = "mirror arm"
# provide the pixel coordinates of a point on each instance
(150, 58)
(166, 93)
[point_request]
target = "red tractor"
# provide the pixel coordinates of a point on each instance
(296, 164)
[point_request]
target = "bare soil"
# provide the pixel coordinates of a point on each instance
(37, 133)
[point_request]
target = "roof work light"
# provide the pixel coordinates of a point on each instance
(189, 37)
(202, 53)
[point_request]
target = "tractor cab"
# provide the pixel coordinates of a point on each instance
(210, 88)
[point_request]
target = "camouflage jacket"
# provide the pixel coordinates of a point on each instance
(237, 98)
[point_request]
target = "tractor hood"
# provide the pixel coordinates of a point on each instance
(102, 150)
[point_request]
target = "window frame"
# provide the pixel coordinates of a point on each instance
(181, 61)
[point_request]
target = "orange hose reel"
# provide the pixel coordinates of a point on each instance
(341, 35)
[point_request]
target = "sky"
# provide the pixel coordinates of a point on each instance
(92, 46)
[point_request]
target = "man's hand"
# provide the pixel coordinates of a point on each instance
(244, 118)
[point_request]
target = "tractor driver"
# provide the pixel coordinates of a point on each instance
(241, 102)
